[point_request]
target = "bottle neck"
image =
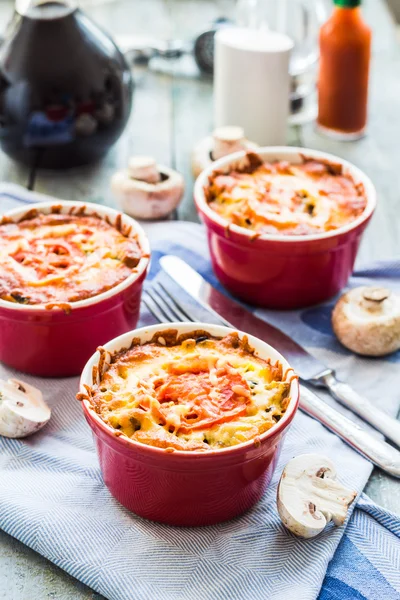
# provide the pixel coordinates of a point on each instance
(347, 15)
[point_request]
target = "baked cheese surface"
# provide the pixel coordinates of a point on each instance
(283, 198)
(58, 258)
(197, 393)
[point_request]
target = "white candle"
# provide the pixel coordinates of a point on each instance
(252, 83)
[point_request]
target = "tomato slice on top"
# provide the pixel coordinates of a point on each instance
(208, 403)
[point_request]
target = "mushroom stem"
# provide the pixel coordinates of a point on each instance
(373, 297)
(227, 140)
(144, 168)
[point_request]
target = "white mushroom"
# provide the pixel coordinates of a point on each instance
(146, 190)
(309, 497)
(22, 409)
(223, 141)
(367, 321)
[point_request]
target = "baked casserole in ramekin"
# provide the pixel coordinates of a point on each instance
(71, 276)
(284, 224)
(188, 419)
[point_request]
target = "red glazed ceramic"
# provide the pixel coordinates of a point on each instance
(186, 488)
(51, 343)
(283, 271)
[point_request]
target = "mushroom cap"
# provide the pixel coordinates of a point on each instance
(143, 200)
(22, 409)
(309, 497)
(367, 321)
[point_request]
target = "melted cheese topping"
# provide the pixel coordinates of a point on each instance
(59, 258)
(283, 198)
(200, 394)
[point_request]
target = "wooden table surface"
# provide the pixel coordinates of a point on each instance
(171, 112)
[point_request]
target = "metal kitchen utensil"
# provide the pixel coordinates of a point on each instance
(140, 49)
(309, 368)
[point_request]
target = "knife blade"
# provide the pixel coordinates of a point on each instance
(309, 368)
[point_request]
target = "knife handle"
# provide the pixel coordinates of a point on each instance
(373, 415)
(377, 451)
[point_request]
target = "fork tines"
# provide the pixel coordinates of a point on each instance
(163, 306)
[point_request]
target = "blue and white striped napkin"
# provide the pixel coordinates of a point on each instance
(53, 499)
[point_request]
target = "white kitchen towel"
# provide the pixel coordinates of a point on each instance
(53, 499)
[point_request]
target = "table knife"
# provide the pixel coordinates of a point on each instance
(309, 368)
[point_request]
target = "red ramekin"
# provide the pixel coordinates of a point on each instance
(282, 271)
(186, 488)
(52, 343)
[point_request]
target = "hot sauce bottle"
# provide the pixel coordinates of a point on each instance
(345, 47)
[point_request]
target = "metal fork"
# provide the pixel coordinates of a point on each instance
(166, 308)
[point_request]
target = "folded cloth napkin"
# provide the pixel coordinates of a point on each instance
(52, 497)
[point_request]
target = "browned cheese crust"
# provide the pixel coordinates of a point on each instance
(55, 259)
(314, 196)
(189, 392)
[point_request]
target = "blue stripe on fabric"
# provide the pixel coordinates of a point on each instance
(19, 199)
(334, 589)
(382, 268)
(354, 570)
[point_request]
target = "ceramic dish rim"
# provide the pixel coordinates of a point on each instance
(102, 211)
(270, 152)
(124, 340)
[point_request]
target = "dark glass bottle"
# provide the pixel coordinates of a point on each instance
(65, 88)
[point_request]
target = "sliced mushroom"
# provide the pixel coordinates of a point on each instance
(22, 409)
(146, 190)
(223, 141)
(309, 497)
(367, 321)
